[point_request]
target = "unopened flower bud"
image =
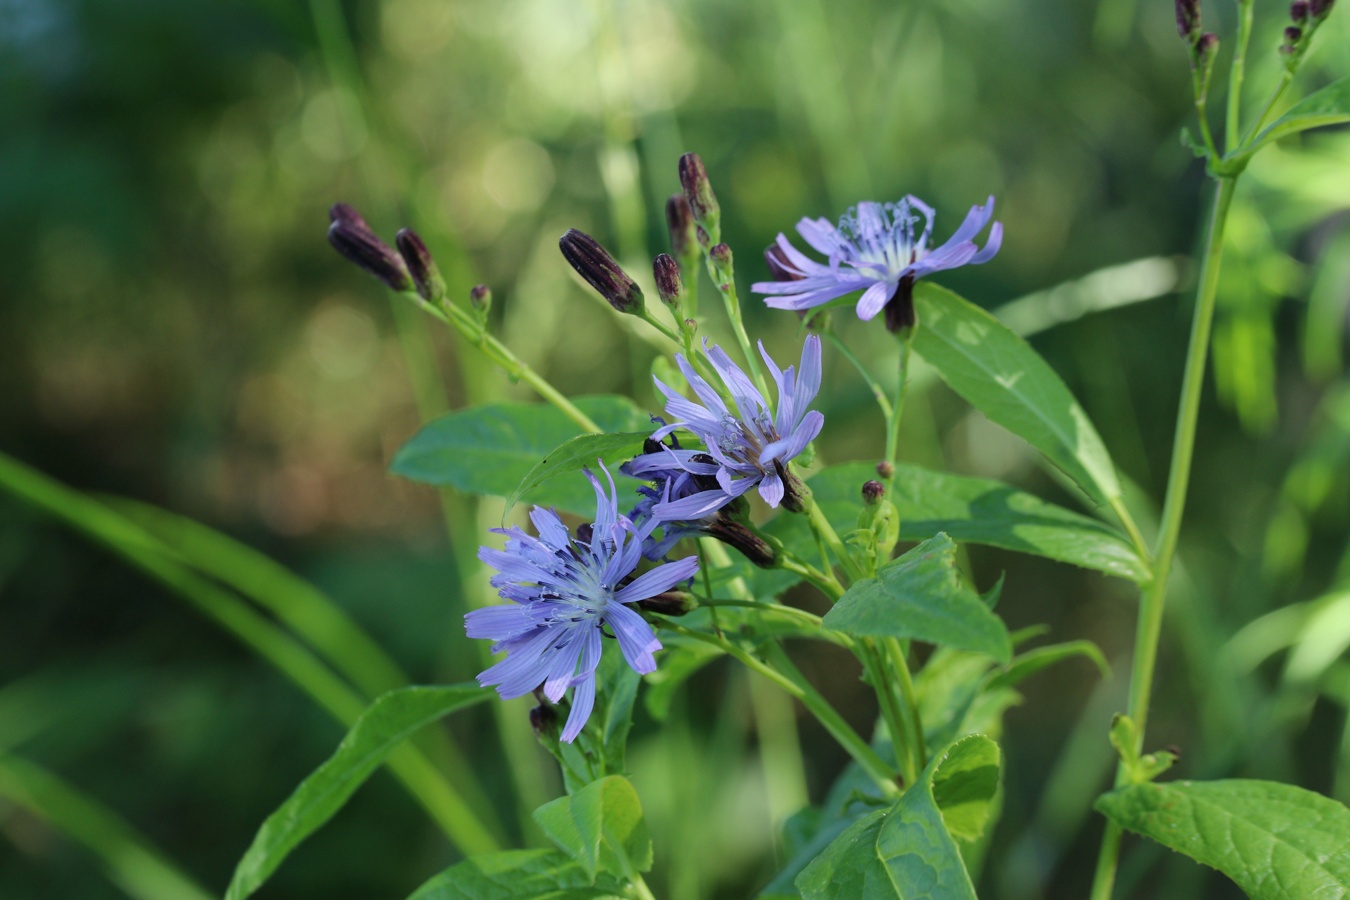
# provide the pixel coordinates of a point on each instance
(1318, 9)
(480, 298)
(720, 255)
(729, 528)
(1205, 47)
(680, 221)
(780, 267)
(666, 272)
(670, 603)
(691, 324)
(544, 720)
(885, 469)
(1188, 18)
(430, 285)
(1292, 36)
(601, 272)
(873, 491)
(698, 191)
(1298, 11)
(351, 237)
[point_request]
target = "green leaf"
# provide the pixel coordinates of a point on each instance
(1031, 662)
(487, 449)
(1277, 841)
(1329, 106)
(600, 827)
(999, 374)
(974, 510)
(920, 596)
(386, 723)
(907, 851)
(578, 453)
(515, 875)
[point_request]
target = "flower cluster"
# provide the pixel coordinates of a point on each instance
(563, 591)
(874, 250)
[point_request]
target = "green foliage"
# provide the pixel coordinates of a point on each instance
(485, 449)
(908, 850)
(578, 453)
(1328, 106)
(390, 720)
(601, 828)
(1277, 841)
(920, 596)
(1000, 375)
(516, 875)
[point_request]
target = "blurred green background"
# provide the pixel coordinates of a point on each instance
(174, 329)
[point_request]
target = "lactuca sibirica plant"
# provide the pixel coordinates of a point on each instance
(726, 517)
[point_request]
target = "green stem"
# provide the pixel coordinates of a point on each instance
(466, 324)
(794, 684)
(727, 288)
(878, 392)
(792, 612)
(825, 531)
(1237, 74)
(898, 408)
(824, 581)
(1149, 627)
(1259, 122)
(896, 650)
(878, 674)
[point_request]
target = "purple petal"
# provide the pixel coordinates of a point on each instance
(636, 638)
(771, 489)
(791, 446)
(583, 701)
(695, 506)
(662, 578)
(498, 623)
(874, 299)
(991, 246)
(562, 668)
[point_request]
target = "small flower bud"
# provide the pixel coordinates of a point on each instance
(351, 237)
(544, 720)
(691, 324)
(670, 603)
(601, 272)
(1298, 11)
(698, 191)
(780, 267)
(480, 298)
(1188, 18)
(1292, 36)
(680, 221)
(720, 255)
(739, 535)
(666, 272)
(873, 491)
(430, 285)
(885, 469)
(1318, 9)
(1206, 45)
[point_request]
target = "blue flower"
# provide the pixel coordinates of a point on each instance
(745, 450)
(563, 591)
(874, 250)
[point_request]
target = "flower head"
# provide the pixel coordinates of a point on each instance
(747, 449)
(874, 249)
(563, 590)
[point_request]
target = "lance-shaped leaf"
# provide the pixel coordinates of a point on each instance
(391, 719)
(1328, 106)
(1000, 375)
(486, 449)
(601, 828)
(920, 596)
(908, 851)
(1277, 841)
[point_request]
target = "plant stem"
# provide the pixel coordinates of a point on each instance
(798, 687)
(898, 407)
(825, 531)
(911, 701)
(1259, 122)
(1237, 73)
(878, 392)
(1149, 627)
(732, 302)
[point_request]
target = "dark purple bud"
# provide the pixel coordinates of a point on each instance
(1292, 36)
(671, 603)
(601, 272)
(544, 720)
(1318, 9)
(1188, 18)
(480, 297)
(872, 491)
(739, 535)
(1206, 45)
(794, 489)
(680, 221)
(666, 271)
(900, 312)
(421, 266)
(342, 212)
(885, 469)
(780, 267)
(698, 191)
(1298, 11)
(349, 236)
(720, 255)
